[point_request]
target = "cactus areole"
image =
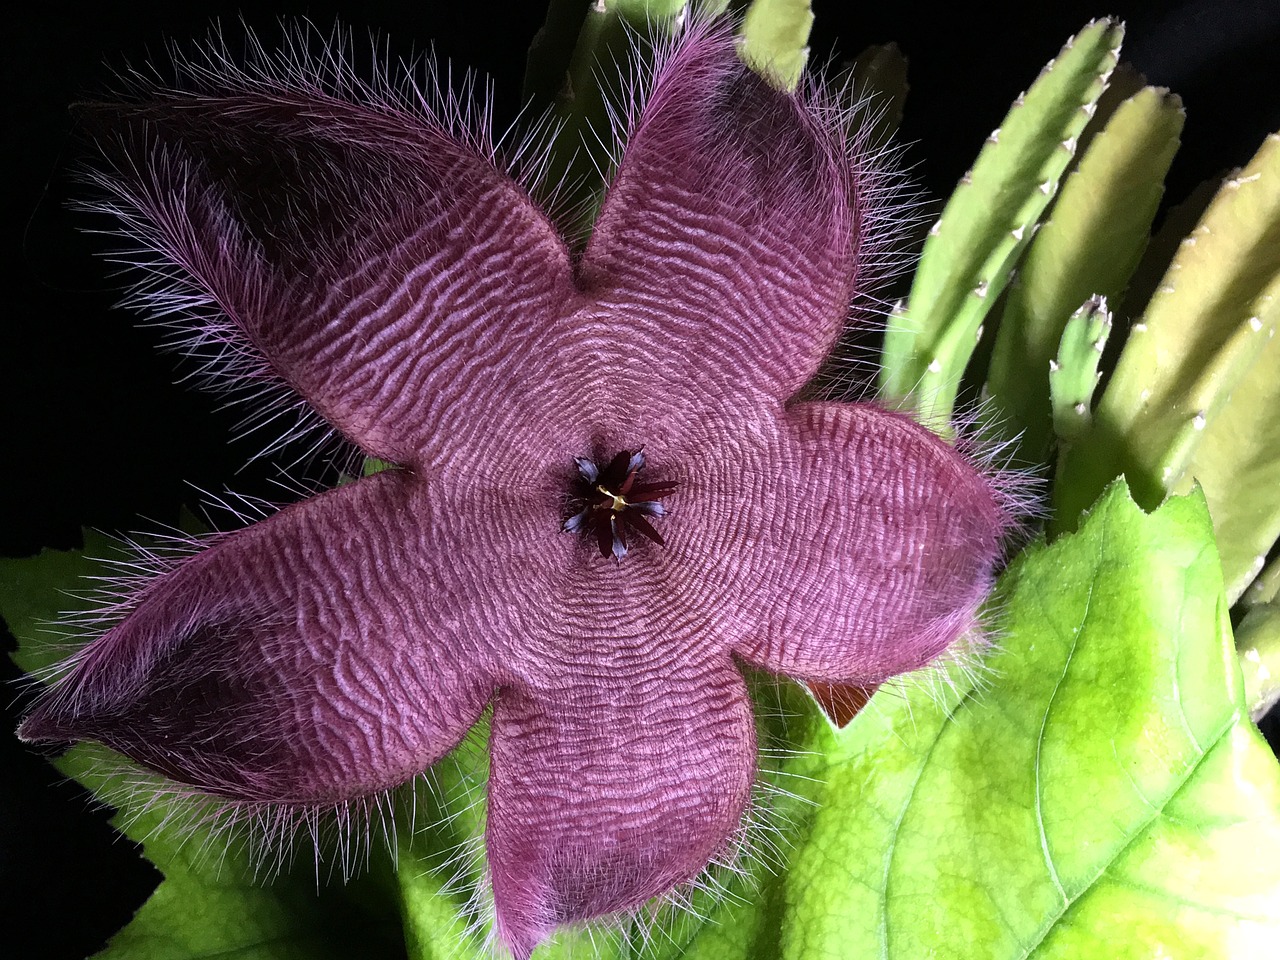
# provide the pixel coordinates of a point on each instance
(376, 259)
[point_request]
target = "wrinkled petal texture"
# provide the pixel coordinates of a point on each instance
(380, 261)
(872, 551)
(328, 652)
(386, 269)
(603, 790)
(724, 187)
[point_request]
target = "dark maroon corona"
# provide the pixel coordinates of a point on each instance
(609, 502)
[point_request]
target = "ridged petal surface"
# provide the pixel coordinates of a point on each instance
(329, 652)
(386, 270)
(870, 542)
(611, 785)
(725, 253)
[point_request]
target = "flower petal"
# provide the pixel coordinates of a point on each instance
(873, 550)
(365, 249)
(612, 788)
(725, 254)
(331, 651)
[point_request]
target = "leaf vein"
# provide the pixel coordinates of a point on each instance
(1137, 833)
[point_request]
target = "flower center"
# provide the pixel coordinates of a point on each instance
(609, 502)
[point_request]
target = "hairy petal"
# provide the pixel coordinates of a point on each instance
(611, 787)
(331, 651)
(871, 551)
(373, 254)
(726, 250)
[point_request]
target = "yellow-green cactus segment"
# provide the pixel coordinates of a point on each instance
(1198, 344)
(1124, 83)
(1265, 588)
(1073, 373)
(987, 223)
(1237, 462)
(1258, 642)
(1089, 245)
(775, 39)
(1178, 221)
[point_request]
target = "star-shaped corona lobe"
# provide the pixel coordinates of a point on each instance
(376, 259)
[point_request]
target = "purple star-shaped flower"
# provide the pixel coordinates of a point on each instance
(608, 493)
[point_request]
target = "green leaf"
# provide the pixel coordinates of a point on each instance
(1089, 246)
(1198, 345)
(35, 591)
(987, 223)
(1106, 796)
(439, 865)
(213, 900)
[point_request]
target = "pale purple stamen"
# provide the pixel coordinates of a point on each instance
(610, 506)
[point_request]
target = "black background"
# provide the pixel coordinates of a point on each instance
(97, 432)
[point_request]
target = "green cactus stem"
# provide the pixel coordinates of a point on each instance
(988, 222)
(1199, 344)
(1258, 645)
(550, 51)
(582, 45)
(568, 75)
(1073, 373)
(878, 75)
(1265, 587)
(775, 39)
(1178, 222)
(1237, 462)
(1090, 244)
